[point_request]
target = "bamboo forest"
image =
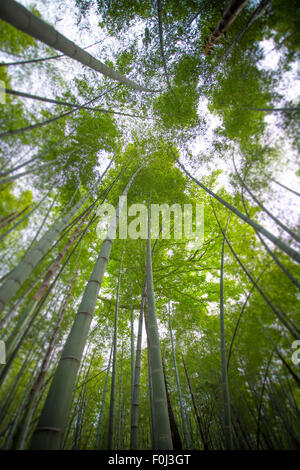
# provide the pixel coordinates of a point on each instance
(149, 225)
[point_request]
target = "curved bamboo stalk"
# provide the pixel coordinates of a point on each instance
(199, 421)
(29, 408)
(33, 256)
(161, 41)
(97, 441)
(31, 160)
(21, 130)
(240, 316)
(273, 256)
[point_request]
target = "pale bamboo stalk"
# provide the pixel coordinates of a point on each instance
(161, 423)
(19, 17)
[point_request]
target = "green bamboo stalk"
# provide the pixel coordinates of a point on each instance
(30, 127)
(64, 103)
(229, 15)
(199, 421)
(7, 232)
(184, 428)
(161, 423)
(97, 441)
(285, 187)
(149, 378)
(29, 322)
(11, 217)
(19, 17)
(21, 130)
(261, 206)
(131, 341)
(52, 269)
(33, 159)
(33, 256)
(134, 426)
(282, 318)
(225, 387)
(120, 398)
(53, 418)
(111, 423)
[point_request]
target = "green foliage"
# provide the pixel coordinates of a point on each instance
(177, 107)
